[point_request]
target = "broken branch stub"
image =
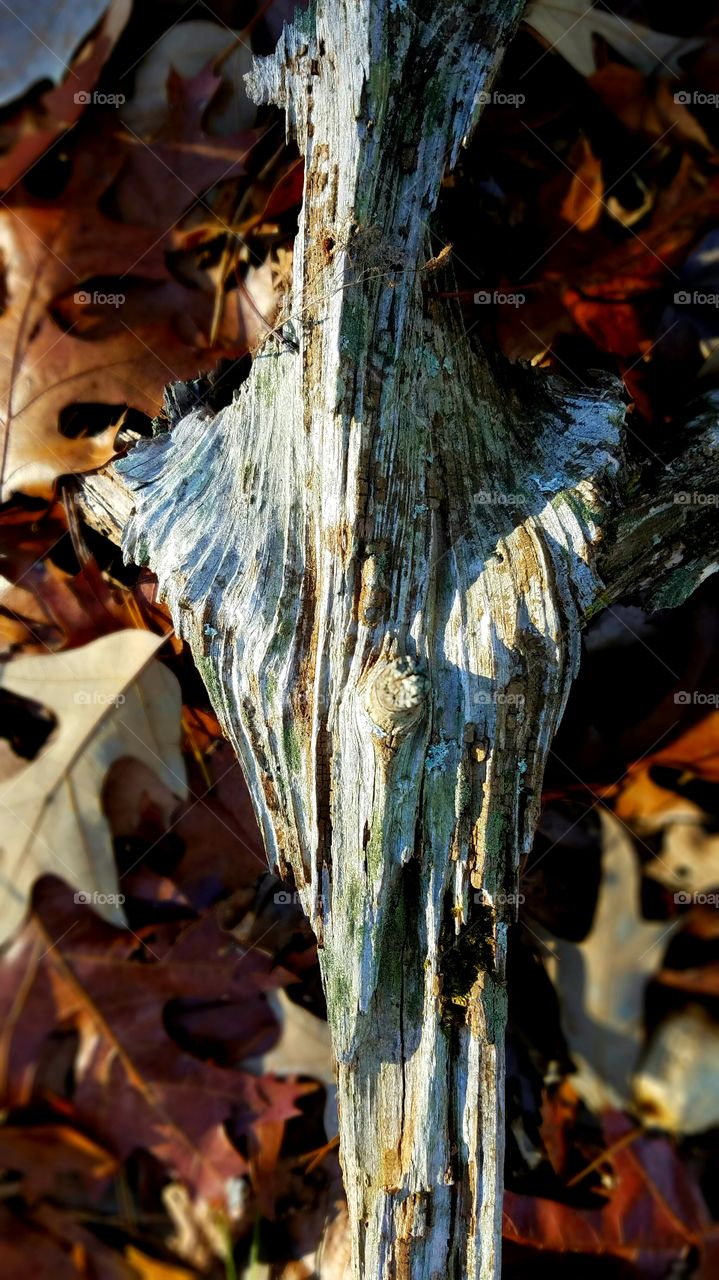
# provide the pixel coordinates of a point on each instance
(380, 553)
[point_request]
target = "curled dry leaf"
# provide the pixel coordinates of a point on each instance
(109, 702)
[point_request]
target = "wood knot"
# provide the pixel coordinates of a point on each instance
(396, 695)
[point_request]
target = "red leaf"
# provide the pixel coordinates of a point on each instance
(655, 1210)
(163, 177)
(134, 1086)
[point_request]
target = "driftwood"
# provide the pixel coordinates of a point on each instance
(382, 553)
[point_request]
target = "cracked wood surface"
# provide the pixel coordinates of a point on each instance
(381, 554)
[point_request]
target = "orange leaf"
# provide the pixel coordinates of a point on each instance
(582, 204)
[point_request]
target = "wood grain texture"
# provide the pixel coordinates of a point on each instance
(381, 554)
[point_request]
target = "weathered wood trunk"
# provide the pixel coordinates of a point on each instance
(381, 554)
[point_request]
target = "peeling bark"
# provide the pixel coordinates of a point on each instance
(381, 554)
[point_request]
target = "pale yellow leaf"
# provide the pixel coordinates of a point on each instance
(569, 27)
(110, 701)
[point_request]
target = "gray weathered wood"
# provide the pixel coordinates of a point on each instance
(381, 554)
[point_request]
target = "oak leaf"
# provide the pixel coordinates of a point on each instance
(569, 26)
(109, 701)
(93, 315)
(26, 57)
(133, 1086)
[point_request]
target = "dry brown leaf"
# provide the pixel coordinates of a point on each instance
(132, 1085)
(93, 316)
(109, 703)
(48, 251)
(655, 1214)
(53, 609)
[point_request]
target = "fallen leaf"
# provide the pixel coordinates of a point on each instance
(45, 1153)
(187, 49)
(582, 205)
(303, 1048)
(163, 176)
(655, 1210)
(217, 815)
(108, 703)
(26, 57)
(676, 1084)
(53, 609)
(601, 981)
(74, 334)
(133, 1086)
(49, 249)
(28, 132)
(650, 107)
(569, 26)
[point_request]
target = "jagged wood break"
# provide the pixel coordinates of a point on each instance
(381, 554)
